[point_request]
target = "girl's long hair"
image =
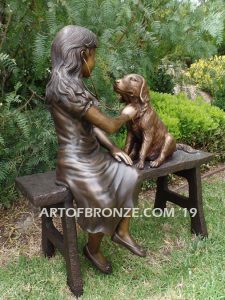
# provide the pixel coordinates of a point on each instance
(66, 75)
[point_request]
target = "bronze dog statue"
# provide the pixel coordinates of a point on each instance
(147, 136)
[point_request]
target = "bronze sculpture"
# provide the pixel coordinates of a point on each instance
(97, 179)
(147, 136)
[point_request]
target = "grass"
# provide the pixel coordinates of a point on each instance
(178, 265)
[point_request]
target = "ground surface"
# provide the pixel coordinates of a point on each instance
(178, 265)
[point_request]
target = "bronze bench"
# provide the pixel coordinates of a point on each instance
(42, 191)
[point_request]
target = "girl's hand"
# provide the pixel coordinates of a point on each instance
(120, 155)
(130, 111)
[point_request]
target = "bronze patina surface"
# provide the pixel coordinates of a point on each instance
(147, 137)
(96, 178)
(42, 191)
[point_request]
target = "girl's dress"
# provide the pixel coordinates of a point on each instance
(95, 178)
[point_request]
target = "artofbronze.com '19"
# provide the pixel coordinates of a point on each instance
(97, 212)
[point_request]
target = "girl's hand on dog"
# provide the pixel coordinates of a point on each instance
(120, 155)
(130, 111)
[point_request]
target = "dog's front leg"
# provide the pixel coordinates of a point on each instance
(134, 154)
(146, 144)
(129, 142)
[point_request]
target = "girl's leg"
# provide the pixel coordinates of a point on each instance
(123, 237)
(93, 253)
(94, 242)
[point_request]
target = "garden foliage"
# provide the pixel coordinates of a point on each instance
(196, 123)
(209, 75)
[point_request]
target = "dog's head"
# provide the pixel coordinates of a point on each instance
(132, 87)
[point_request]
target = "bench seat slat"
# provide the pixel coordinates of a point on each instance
(179, 161)
(41, 189)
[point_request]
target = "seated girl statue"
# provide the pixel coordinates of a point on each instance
(97, 178)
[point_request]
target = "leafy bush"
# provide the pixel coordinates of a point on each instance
(193, 122)
(209, 75)
(27, 142)
(161, 81)
(220, 99)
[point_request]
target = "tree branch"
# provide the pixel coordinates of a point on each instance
(132, 19)
(6, 30)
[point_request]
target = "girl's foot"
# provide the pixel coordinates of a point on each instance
(127, 241)
(98, 260)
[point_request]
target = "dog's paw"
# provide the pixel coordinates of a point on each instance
(154, 164)
(140, 165)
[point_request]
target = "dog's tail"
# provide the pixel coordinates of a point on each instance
(186, 148)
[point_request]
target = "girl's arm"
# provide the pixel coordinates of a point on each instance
(103, 139)
(117, 153)
(108, 124)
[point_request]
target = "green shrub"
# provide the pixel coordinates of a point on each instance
(27, 142)
(209, 75)
(161, 81)
(196, 123)
(219, 99)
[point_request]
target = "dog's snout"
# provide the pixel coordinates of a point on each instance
(117, 81)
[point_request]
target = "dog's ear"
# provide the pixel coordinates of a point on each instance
(144, 93)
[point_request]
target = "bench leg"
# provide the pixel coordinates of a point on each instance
(194, 200)
(74, 279)
(160, 198)
(47, 246)
(198, 224)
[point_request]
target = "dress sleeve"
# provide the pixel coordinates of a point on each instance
(82, 104)
(79, 105)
